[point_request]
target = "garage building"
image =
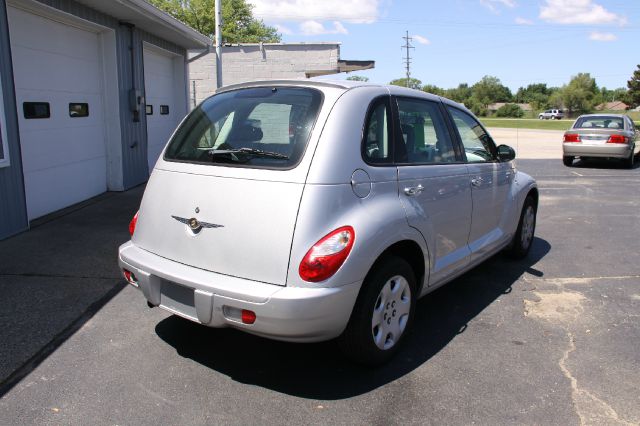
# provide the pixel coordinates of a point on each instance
(90, 92)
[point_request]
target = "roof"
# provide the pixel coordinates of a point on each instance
(613, 106)
(152, 20)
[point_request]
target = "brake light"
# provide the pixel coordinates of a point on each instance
(327, 255)
(617, 139)
(572, 137)
(132, 224)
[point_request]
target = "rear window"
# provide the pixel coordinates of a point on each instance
(264, 127)
(599, 122)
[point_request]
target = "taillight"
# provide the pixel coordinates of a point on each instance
(617, 139)
(572, 137)
(327, 255)
(132, 224)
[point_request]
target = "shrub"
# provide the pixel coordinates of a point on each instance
(510, 110)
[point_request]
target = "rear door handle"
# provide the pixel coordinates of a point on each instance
(412, 191)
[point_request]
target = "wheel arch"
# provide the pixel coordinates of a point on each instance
(412, 253)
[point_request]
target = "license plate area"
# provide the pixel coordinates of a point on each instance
(178, 299)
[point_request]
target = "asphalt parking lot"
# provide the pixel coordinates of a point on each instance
(552, 339)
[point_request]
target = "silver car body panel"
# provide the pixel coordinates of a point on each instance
(267, 220)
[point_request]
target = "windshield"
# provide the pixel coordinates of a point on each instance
(265, 127)
(599, 122)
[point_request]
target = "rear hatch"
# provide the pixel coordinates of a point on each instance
(226, 194)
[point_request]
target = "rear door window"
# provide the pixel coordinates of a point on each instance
(264, 127)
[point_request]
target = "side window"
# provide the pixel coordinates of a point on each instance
(377, 137)
(424, 132)
(478, 145)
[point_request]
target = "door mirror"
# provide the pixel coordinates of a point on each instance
(506, 153)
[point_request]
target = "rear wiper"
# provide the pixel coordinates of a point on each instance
(247, 151)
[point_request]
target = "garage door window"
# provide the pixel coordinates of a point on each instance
(78, 110)
(164, 109)
(148, 109)
(4, 149)
(36, 110)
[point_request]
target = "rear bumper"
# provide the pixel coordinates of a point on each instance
(215, 300)
(602, 150)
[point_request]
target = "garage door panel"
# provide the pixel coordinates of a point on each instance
(72, 145)
(53, 71)
(27, 30)
(56, 188)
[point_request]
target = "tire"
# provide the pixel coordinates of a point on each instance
(628, 162)
(567, 160)
(383, 313)
(540, 117)
(521, 242)
(553, 117)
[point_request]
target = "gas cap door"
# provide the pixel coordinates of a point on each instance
(361, 183)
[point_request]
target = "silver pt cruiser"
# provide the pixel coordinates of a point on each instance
(306, 211)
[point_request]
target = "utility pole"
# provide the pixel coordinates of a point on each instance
(218, 42)
(407, 59)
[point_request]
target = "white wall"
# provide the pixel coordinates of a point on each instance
(255, 62)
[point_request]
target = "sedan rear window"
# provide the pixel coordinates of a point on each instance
(263, 127)
(599, 122)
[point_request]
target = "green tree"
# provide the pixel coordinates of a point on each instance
(238, 23)
(460, 94)
(489, 90)
(414, 83)
(430, 88)
(581, 94)
(357, 78)
(632, 97)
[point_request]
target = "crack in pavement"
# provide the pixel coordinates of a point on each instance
(589, 408)
(563, 307)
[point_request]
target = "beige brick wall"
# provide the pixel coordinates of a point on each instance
(251, 62)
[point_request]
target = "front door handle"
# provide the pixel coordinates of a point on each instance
(477, 181)
(412, 191)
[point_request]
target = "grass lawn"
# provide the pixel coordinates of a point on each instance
(527, 123)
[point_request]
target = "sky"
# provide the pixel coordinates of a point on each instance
(459, 41)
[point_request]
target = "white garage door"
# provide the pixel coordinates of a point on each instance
(161, 107)
(58, 79)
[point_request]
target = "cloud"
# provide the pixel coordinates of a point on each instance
(420, 39)
(596, 36)
(353, 11)
(578, 12)
(493, 5)
(523, 21)
(317, 28)
(283, 30)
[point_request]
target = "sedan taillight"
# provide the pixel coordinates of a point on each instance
(327, 255)
(618, 139)
(572, 137)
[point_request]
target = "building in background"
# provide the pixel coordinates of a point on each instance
(90, 92)
(265, 61)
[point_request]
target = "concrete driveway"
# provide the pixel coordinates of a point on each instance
(552, 339)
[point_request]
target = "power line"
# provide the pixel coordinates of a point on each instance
(407, 59)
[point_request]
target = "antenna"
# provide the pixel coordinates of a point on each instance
(407, 45)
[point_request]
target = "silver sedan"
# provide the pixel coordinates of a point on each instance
(601, 135)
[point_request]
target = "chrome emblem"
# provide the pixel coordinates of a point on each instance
(195, 224)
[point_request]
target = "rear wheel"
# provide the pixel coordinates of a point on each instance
(383, 313)
(628, 162)
(567, 160)
(521, 243)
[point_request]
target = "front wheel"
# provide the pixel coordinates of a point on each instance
(521, 243)
(383, 313)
